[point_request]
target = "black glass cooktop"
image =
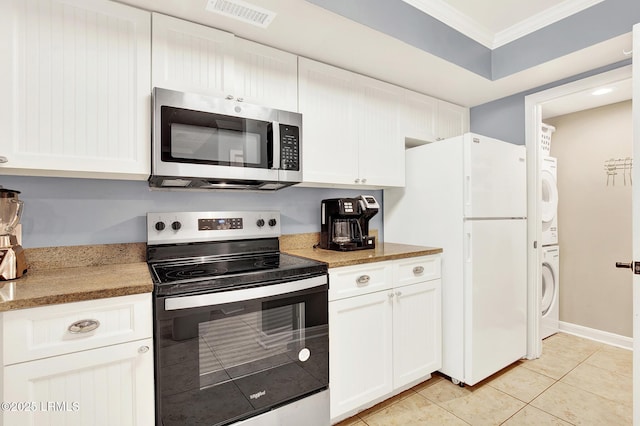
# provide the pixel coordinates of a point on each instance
(190, 270)
(197, 275)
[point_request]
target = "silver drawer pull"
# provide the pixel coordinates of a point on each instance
(418, 270)
(143, 349)
(363, 280)
(84, 326)
(3, 159)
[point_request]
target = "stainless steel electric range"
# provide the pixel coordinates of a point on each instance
(241, 329)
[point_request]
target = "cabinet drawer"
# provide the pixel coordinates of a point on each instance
(416, 269)
(352, 281)
(35, 333)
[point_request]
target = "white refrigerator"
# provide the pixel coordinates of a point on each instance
(468, 195)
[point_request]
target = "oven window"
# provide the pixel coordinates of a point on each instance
(233, 361)
(206, 138)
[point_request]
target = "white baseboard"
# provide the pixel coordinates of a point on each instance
(597, 335)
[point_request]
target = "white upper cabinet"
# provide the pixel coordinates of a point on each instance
(419, 114)
(191, 57)
(350, 134)
(426, 119)
(194, 58)
(266, 76)
(453, 120)
(329, 139)
(381, 147)
(75, 89)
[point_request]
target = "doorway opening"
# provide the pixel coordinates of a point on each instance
(535, 104)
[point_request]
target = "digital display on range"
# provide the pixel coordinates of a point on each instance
(219, 224)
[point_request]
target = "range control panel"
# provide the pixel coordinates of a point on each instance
(186, 227)
(219, 224)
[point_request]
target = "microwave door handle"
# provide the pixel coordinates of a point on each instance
(276, 144)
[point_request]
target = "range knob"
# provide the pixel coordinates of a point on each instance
(260, 223)
(175, 225)
(159, 226)
(272, 222)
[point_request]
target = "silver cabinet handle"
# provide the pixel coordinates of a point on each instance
(3, 159)
(363, 280)
(83, 326)
(240, 99)
(398, 293)
(143, 349)
(390, 295)
(364, 180)
(418, 270)
(229, 97)
(357, 180)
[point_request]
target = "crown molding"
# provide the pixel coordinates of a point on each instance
(457, 20)
(541, 20)
(468, 26)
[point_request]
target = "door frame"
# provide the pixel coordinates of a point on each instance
(533, 116)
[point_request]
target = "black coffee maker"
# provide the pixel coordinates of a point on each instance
(344, 223)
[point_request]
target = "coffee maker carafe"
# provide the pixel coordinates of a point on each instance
(12, 261)
(344, 223)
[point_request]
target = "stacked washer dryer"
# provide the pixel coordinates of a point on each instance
(550, 249)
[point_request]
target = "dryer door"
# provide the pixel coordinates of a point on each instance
(548, 289)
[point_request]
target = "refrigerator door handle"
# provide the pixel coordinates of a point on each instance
(468, 248)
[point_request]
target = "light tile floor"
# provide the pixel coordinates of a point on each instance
(575, 382)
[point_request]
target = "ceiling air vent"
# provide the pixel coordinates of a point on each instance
(242, 11)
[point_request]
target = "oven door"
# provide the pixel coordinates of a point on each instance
(227, 356)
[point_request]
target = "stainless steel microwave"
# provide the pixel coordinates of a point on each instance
(205, 142)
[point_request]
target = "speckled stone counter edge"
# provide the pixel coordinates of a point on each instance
(303, 245)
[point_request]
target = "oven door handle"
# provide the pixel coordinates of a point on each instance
(220, 298)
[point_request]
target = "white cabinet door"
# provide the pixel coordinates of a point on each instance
(112, 385)
(75, 84)
(381, 148)
(350, 128)
(453, 120)
(417, 332)
(360, 353)
(418, 116)
(330, 144)
(194, 58)
(266, 76)
(191, 58)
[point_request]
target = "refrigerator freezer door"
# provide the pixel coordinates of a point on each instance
(495, 288)
(495, 178)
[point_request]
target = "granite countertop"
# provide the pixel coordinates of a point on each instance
(302, 245)
(77, 273)
(73, 274)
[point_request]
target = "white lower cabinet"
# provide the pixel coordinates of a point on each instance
(383, 338)
(97, 376)
(360, 351)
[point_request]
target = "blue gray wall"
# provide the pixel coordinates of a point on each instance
(65, 212)
(504, 118)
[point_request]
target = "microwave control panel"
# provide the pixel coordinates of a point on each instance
(289, 147)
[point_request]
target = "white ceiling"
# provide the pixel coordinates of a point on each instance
(580, 101)
(308, 30)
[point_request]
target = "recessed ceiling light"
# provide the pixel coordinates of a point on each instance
(242, 11)
(602, 91)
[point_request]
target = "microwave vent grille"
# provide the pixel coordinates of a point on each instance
(242, 11)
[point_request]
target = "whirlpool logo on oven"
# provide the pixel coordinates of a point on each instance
(257, 394)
